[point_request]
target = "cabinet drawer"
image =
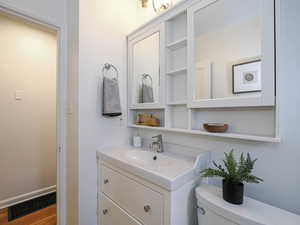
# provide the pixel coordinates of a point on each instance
(138, 200)
(111, 214)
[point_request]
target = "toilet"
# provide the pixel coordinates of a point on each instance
(213, 210)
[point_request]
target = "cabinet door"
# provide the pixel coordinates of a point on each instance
(208, 217)
(145, 80)
(231, 53)
(111, 214)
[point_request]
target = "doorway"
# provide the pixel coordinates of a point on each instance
(29, 121)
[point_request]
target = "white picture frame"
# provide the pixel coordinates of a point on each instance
(246, 77)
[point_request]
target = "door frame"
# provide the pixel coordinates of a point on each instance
(61, 103)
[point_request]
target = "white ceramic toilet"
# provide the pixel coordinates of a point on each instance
(213, 210)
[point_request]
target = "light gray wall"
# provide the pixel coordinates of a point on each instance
(278, 164)
(103, 26)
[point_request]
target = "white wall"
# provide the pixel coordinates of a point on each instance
(54, 12)
(278, 164)
(28, 63)
(103, 26)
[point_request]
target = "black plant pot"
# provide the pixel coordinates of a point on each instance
(233, 192)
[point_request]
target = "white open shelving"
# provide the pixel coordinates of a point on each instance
(177, 44)
(221, 135)
(179, 116)
(177, 71)
(177, 103)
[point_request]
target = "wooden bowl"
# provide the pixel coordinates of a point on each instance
(216, 127)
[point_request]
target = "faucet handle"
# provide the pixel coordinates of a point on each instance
(158, 141)
(159, 137)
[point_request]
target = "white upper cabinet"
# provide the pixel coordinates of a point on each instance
(231, 53)
(144, 58)
(207, 61)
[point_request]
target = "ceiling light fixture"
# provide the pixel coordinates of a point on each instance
(144, 3)
(161, 5)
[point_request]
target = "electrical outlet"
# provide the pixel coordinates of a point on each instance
(19, 95)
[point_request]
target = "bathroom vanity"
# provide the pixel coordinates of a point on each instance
(138, 187)
(208, 61)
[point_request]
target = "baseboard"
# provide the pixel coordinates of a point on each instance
(25, 197)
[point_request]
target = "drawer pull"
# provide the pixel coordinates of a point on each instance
(147, 208)
(106, 181)
(105, 211)
(201, 210)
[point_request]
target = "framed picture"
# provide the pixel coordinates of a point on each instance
(246, 77)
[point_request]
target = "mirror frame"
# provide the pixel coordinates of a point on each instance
(130, 45)
(267, 95)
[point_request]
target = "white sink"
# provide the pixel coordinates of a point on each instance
(167, 169)
(147, 158)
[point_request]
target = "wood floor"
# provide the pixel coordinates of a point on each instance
(45, 216)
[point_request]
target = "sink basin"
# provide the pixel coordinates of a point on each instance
(168, 170)
(147, 158)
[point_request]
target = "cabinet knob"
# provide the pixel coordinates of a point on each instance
(201, 210)
(147, 208)
(105, 211)
(106, 181)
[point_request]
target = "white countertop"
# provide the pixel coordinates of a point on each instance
(170, 171)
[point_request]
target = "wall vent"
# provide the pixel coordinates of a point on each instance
(30, 206)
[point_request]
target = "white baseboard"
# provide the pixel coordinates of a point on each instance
(25, 197)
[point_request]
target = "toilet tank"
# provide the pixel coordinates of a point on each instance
(208, 217)
(213, 210)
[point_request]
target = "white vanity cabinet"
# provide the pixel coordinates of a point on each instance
(125, 199)
(134, 188)
(114, 215)
(139, 200)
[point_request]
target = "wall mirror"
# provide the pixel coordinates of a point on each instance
(146, 70)
(228, 48)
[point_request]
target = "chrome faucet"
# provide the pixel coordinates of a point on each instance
(157, 144)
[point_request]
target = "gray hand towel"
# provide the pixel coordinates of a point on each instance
(111, 98)
(147, 94)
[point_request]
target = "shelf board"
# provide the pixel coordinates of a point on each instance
(177, 71)
(177, 44)
(221, 135)
(177, 103)
(146, 107)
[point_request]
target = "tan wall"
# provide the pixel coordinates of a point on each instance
(72, 124)
(28, 126)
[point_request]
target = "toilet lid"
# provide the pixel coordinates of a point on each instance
(252, 212)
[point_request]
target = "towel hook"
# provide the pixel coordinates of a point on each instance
(107, 67)
(145, 76)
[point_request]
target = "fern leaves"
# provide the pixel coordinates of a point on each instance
(235, 172)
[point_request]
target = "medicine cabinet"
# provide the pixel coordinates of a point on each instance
(145, 77)
(207, 61)
(231, 53)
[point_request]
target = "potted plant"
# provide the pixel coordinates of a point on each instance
(234, 175)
